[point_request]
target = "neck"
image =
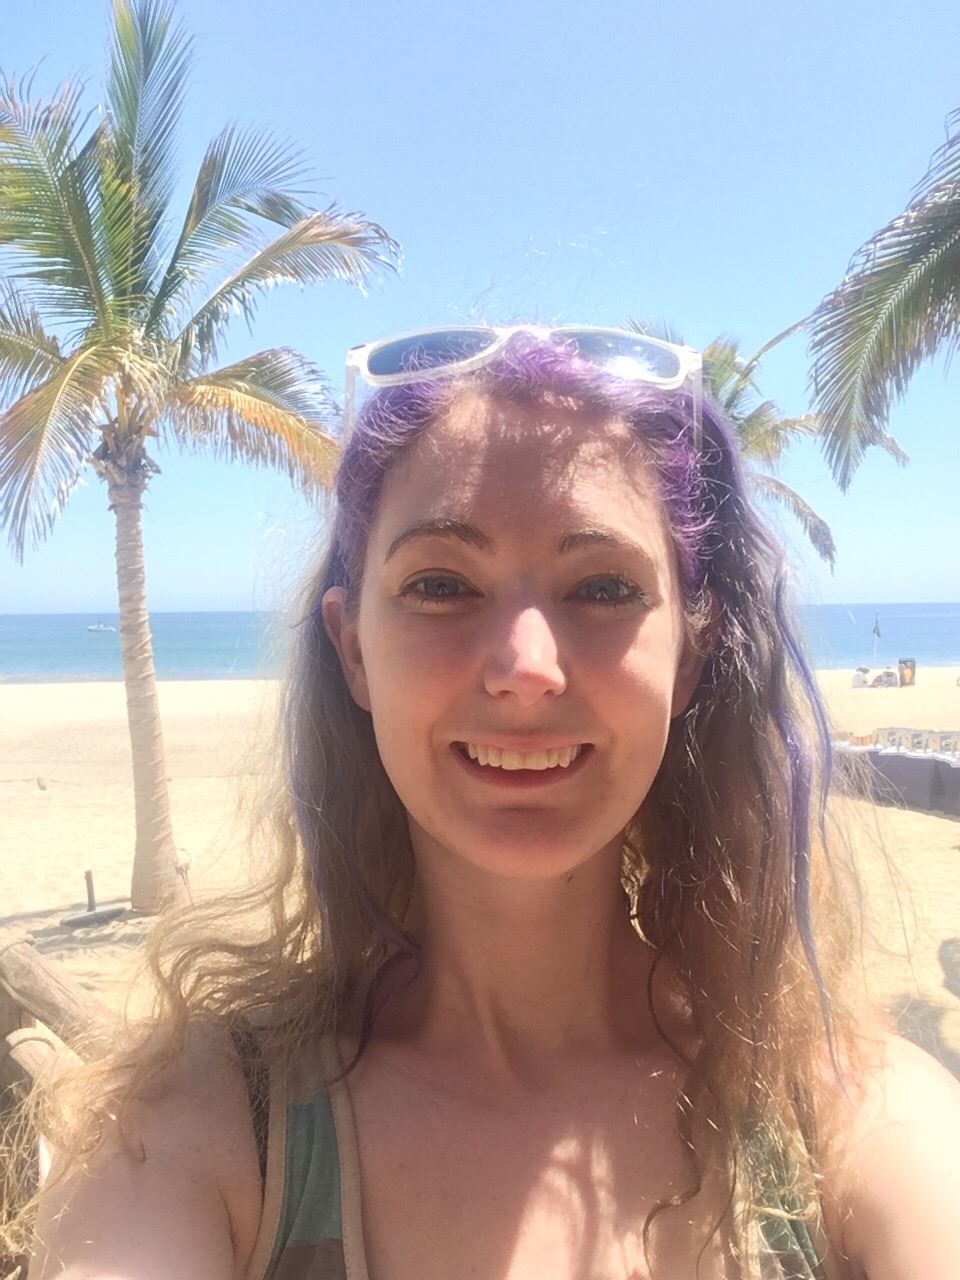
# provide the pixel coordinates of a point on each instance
(518, 975)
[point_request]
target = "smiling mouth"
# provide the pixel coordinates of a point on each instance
(511, 761)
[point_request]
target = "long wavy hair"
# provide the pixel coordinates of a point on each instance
(724, 866)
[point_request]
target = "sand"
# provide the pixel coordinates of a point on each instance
(66, 807)
(932, 703)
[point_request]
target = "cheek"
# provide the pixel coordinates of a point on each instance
(410, 673)
(650, 676)
(410, 662)
(635, 692)
(413, 656)
(641, 673)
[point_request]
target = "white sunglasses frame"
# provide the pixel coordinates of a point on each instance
(358, 361)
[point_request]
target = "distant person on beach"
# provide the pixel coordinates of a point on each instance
(550, 983)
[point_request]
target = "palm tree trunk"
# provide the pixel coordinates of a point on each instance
(155, 880)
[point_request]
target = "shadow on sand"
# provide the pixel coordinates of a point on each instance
(50, 937)
(922, 1020)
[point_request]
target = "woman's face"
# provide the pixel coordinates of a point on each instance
(519, 594)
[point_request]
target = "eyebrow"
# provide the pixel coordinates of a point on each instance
(575, 540)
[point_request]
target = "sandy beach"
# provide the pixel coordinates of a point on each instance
(932, 703)
(66, 808)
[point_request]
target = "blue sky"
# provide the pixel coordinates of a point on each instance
(716, 166)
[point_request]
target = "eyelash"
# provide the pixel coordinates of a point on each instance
(634, 594)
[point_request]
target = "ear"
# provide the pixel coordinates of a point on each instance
(693, 657)
(341, 627)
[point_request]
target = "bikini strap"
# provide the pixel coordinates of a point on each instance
(256, 1078)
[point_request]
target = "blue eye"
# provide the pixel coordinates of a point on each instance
(435, 588)
(612, 590)
(609, 590)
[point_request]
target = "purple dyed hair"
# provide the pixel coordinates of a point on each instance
(723, 553)
(721, 864)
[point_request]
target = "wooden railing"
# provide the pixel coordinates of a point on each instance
(44, 1013)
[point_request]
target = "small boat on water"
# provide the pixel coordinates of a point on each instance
(100, 626)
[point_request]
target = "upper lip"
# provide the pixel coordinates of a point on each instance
(524, 746)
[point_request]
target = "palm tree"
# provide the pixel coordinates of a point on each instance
(111, 322)
(763, 431)
(898, 304)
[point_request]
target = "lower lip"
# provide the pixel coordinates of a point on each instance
(521, 778)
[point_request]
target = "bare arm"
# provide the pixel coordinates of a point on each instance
(191, 1208)
(901, 1171)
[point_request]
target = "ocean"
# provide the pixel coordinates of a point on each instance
(42, 648)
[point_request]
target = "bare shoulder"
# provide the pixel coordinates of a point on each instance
(203, 1095)
(182, 1194)
(895, 1169)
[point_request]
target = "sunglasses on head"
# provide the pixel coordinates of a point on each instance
(441, 353)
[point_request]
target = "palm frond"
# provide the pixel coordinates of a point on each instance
(750, 366)
(140, 384)
(944, 166)
(272, 409)
(649, 327)
(327, 245)
(245, 174)
(722, 375)
(765, 435)
(814, 526)
(45, 440)
(28, 354)
(45, 224)
(898, 305)
(149, 63)
(889, 445)
(119, 232)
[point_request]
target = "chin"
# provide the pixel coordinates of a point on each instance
(514, 854)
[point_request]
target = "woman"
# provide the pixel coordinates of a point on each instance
(551, 986)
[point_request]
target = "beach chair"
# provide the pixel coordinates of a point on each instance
(886, 679)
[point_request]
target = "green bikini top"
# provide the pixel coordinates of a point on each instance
(310, 1227)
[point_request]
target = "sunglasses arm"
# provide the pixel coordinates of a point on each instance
(349, 402)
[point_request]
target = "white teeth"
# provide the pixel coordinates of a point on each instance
(556, 757)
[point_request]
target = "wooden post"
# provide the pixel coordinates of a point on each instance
(44, 990)
(9, 1013)
(26, 1054)
(34, 991)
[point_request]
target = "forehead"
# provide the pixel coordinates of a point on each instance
(528, 465)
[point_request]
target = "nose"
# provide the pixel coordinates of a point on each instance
(524, 660)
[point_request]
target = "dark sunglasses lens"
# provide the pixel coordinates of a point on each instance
(623, 355)
(427, 351)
